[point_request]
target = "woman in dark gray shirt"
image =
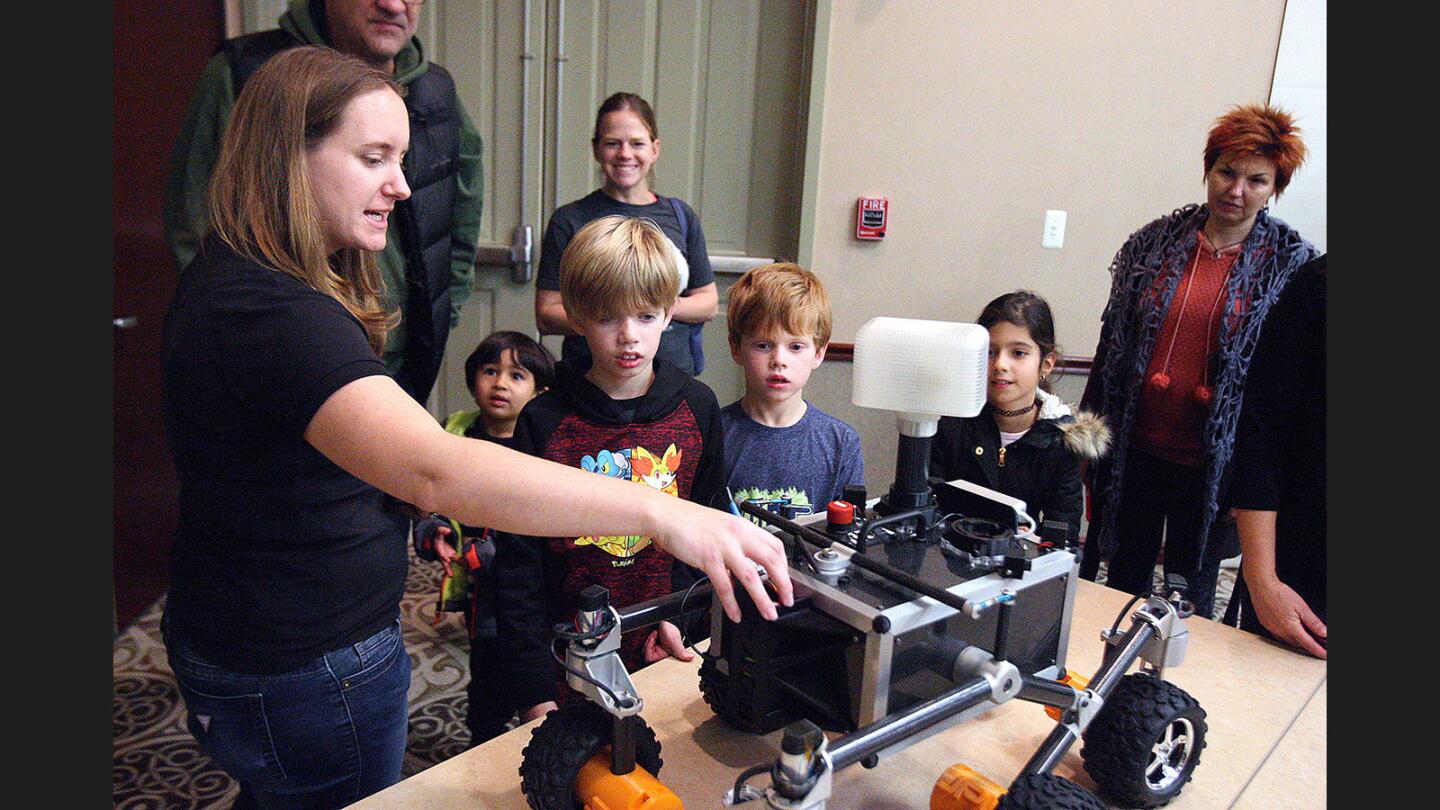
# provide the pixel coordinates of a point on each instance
(626, 144)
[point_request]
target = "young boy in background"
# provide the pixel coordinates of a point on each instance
(505, 372)
(779, 449)
(628, 416)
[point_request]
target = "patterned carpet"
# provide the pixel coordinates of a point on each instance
(157, 764)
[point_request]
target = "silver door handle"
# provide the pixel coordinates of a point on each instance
(126, 322)
(521, 255)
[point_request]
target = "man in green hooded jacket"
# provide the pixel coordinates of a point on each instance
(428, 262)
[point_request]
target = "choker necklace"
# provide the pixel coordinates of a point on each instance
(1018, 411)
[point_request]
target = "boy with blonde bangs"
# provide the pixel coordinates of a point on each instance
(779, 449)
(629, 416)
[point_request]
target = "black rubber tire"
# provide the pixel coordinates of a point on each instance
(713, 687)
(1120, 743)
(563, 742)
(1046, 791)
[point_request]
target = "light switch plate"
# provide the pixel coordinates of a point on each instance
(1054, 235)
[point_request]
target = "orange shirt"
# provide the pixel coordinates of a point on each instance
(1169, 423)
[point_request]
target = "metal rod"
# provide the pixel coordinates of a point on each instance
(664, 608)
(1103, 683)
(622, 748)
(1048, 692)
(560, 59)
(814, 537)
(1109, 674)
(1050, 752)
(822, 540)
(882, 734)
(526, 57)
(1002, 631)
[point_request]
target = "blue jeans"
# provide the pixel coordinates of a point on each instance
(325, 735)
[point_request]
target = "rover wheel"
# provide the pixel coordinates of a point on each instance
(563, 742)
(713, 686)
(1144, 745)
(1046, 791)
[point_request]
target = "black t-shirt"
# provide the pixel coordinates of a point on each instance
(280, 555)
(567, 219)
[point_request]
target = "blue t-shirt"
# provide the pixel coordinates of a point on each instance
(793, 470)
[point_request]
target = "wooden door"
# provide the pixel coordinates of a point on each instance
(159, 48)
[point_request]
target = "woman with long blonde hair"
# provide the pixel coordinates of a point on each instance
(292, 444)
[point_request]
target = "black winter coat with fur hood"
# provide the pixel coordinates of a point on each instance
(1041, 468)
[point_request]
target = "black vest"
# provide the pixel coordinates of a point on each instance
(424, 220)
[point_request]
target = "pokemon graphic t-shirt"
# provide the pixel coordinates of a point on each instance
(669, 440)
(795, 470)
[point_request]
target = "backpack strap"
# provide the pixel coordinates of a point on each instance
(697, 345)
(684, 222)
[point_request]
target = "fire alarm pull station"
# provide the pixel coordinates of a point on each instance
(871, 214)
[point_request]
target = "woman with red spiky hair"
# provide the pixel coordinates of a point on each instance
(1188, 295)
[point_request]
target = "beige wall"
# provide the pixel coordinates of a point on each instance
(973, 118)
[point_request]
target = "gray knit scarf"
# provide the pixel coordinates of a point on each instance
(1153, 259)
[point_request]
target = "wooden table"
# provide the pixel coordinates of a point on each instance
(1293, 775)
(1265, 747)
